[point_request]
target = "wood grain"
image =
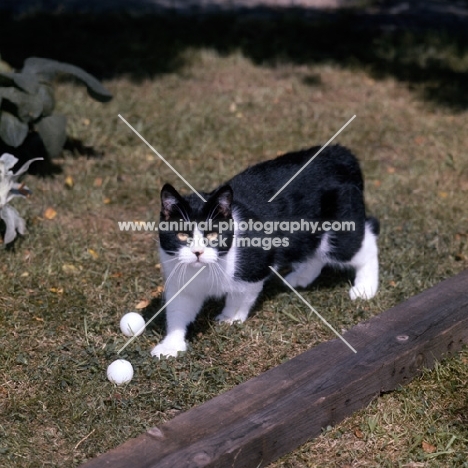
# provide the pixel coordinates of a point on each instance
(270, 415)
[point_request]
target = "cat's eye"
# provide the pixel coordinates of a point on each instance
(182, 236)
(212, 236)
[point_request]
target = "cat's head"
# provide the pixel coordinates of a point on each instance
(197, 232)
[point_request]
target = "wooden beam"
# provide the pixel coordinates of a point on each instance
(270, 415)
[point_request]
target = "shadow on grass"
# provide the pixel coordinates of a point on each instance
(33, 147)
(427, 50)
(330, 279)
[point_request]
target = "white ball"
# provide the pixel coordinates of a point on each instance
(120, 372)
(132, 324)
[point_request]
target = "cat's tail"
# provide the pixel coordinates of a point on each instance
(374, 225)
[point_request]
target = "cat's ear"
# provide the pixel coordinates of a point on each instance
(223, 196)
(170, 199)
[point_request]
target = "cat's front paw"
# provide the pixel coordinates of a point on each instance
(168, 349)
(365, 291)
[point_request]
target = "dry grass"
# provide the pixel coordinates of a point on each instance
(67, 283)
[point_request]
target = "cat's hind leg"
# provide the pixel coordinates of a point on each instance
(239, 303)
(366, 264)
(306, 272)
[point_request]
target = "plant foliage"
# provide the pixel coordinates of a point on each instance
(27, 102)
(9, 189)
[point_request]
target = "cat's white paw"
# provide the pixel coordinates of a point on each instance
(229, 318)
(295, 279)
(168, 349)
(362, 291)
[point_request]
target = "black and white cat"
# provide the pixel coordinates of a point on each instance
(237, 255)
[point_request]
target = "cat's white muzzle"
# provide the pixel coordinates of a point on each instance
(199, 257)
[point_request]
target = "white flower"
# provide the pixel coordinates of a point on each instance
(10, 188)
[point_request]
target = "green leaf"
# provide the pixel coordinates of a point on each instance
(25, 81)
(46, 94)
(48, 69)
(27, 107)
(52, 130)
(12, 130)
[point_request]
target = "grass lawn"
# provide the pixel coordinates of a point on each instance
(215, 110)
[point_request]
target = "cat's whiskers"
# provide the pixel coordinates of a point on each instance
(184, 214)
(211, 213)
(223, 278)
(174, 273)
(171, 252)
(214, 287)
(174, 258)
(182, 276)
(213, 278)
(221, 282)
(179, 274)
(171, 274)
(170, 260)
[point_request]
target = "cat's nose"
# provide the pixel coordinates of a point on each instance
(198, 253)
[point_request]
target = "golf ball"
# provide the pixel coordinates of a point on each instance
(132, 324)
(120, 372)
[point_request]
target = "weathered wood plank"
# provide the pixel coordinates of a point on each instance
(268, 416)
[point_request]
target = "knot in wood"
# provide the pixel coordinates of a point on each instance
(201, 458)
(156, 433)
(402, 338)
